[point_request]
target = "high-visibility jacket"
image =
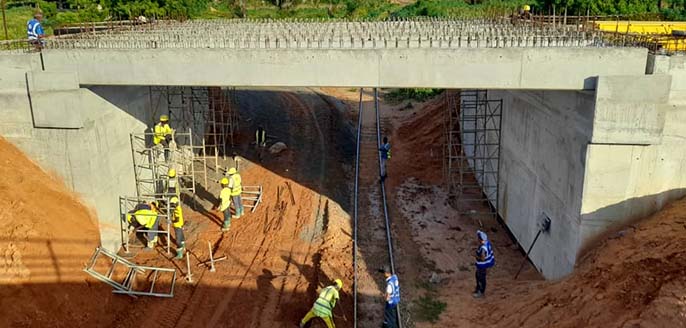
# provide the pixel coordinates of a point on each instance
(144, 217)
(385, 151)
(177, 217)
(173, 186)
(235, 184)
(161, 132)
(225, 197)
(324, 305)
(260, 136)
(487, 250)
(34, 29)
(394, 288)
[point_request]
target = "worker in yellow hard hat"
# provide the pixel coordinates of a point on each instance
(163, 135)
(145, 217)
(236, 191)
(323, 306)
(525, 11)
(177, 222)
(225, 203)
(172, 183)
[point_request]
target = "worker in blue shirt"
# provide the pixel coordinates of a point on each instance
(35, 31)
(392, 294)
(385, 151)
(484, 260)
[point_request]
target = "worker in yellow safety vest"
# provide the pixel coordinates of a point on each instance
(236, 191)
(145, 217)
(225, 203)
(163, 135)
(172, 183)
(177, 222)
(323, 306)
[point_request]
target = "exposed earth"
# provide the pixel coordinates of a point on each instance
(300, 239)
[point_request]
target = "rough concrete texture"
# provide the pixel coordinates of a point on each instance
(675, 66)
(55, 98)
(94, 161)
(543, 146)
(630, 109)
(493, 68)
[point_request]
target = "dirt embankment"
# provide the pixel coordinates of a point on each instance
(46, 237)
(635, 278)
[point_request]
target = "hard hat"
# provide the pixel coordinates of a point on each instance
(224, 181)
(174, 200)
(164, 118)
(481, 235)
(526, 8)
(232, 171)
(171, 173)
(339, 283)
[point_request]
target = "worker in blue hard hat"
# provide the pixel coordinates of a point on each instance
(484, 260)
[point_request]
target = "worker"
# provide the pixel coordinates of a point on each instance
(323, 306)
(35, 31)
(260, 137)
(236, 191)
(392, 294)
(177, 222)
(525, 12)
(385, 151)
(225, 203)
(163, 135)
(145, 217)
(172, 183)
(484, 260)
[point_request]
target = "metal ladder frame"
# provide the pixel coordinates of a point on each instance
(252, 190)
(125, 287)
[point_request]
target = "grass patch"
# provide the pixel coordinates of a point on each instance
(428, 308)
(399, 95)
(16, 23)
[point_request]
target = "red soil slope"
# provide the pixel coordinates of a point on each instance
(46, 236)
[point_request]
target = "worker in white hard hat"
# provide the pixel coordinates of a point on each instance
(323, 306)
(177, 222)
(236, 191)
(163, 135)
(484, 260)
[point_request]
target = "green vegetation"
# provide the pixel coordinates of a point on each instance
(428, 308)
(398, 95)
(73, 11)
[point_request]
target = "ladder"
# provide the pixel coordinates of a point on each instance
(126, 285)
(254, 197)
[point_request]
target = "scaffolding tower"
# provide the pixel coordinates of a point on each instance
(472, 127)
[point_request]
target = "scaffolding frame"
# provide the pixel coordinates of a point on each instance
(127, 204)
(473, 135)
(150, 168)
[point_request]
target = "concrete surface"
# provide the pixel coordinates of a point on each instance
(630, 109)
(542, 163)
(55, 98)
(493, 68)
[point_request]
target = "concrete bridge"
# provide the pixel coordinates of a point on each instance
(592, 135)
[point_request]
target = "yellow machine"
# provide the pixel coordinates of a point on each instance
(669, 36)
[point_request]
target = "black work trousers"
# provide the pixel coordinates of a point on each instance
(481, 280)
(390, 316)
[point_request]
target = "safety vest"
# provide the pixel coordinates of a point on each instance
(34, 29)
(489, 260)
(324, 305)
(144, 217)
(385, 151)
(392, 282)
(172, 186)
(178, 217)
(235, 185)
(161, 131)
(225, 197)
(260, 136)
